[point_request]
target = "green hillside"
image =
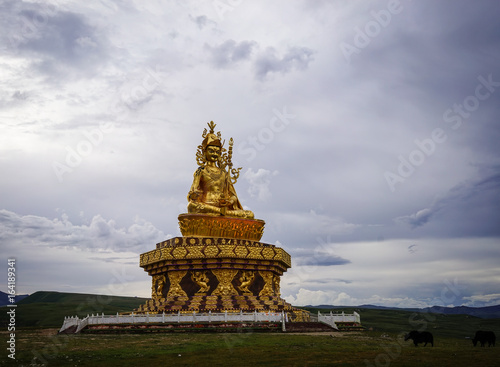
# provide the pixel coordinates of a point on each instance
(396, 321)
(48, 309)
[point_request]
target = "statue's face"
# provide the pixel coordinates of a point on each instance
(212, 153)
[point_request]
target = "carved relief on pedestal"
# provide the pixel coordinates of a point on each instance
(154, 280)
(267, 290)
(175, 289)
(157, 287)
(225, 277)
(276, 281)
(246, 279)
(201, 279)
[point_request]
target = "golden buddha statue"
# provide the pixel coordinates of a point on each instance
(212, 191)
(219, 263)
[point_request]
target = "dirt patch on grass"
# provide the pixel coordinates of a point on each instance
(47, 332)
(339, 334)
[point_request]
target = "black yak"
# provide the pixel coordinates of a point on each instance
(420, 337)
(484, 337)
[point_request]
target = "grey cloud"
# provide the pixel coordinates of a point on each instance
(259, 183)
(439, 51)
(56, 36)
(482, 300)
(267, 62)
(419, 218)
(202, 21)
(475, 202)
(116, 260)
(230, 52)
(318, 257)
(295, 58)
(331, 281)
(99, 234)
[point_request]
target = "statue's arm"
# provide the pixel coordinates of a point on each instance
(194, 191)
(235, 202)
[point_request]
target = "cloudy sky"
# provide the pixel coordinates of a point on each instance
(368, 133)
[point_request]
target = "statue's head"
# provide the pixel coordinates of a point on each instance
(211, 148)
(212, 153)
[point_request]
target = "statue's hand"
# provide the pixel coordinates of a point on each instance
(227, 202)
(195, 195)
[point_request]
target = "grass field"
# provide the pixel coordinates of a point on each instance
(369, 348)
(38, 319)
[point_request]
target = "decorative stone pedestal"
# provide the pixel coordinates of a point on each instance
(215, 273)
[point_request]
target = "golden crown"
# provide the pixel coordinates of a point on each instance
(210, 138)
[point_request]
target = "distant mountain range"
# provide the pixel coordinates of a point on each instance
(4, 298)
(489, 312)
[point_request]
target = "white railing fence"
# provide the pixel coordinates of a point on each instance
(194, 317)
(179, 317)
(331, 318)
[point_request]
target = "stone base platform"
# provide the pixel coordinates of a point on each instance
(217, 327)
(216, 304)
(227, 327)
